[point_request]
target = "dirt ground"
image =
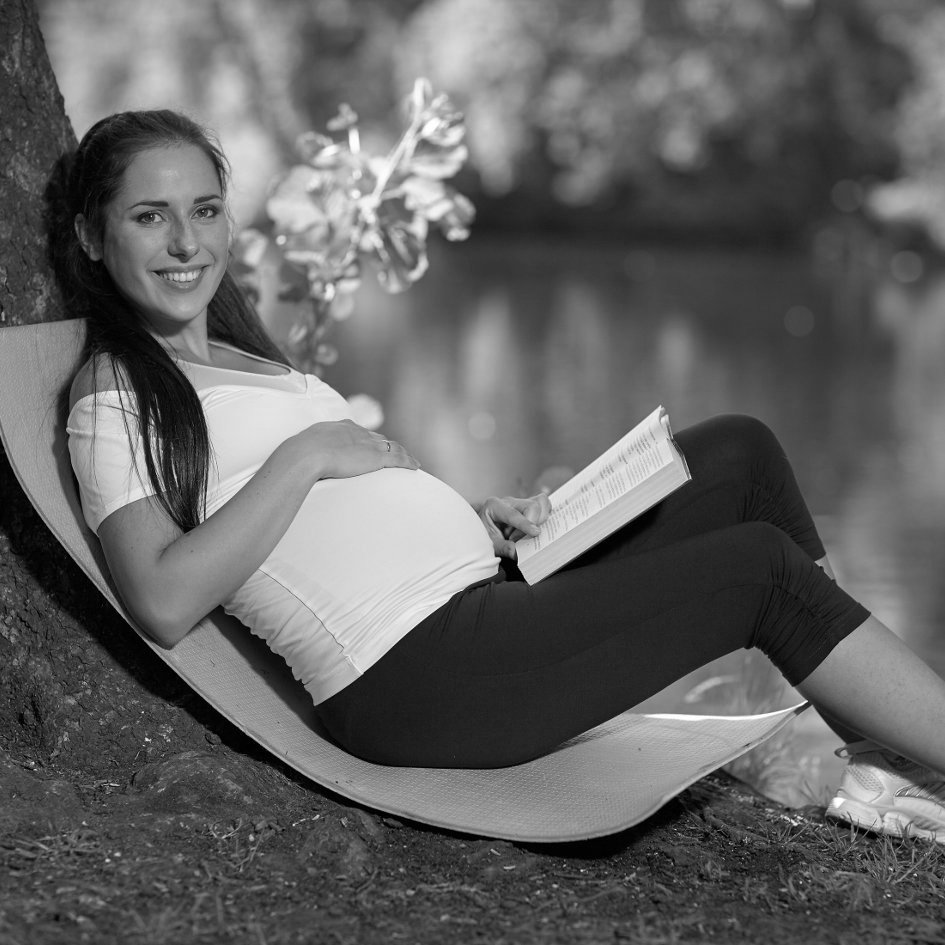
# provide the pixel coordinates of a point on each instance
(218, 846)
(131, 813)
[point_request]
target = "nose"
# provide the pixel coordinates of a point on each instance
(183, 241)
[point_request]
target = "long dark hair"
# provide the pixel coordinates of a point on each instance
(169, 414)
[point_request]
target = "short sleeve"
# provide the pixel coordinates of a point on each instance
(107, 455)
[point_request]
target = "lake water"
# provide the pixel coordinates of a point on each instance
(512, 357)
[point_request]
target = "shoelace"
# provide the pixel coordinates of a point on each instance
(926, 782)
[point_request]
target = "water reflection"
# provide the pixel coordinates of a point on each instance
(508, 359)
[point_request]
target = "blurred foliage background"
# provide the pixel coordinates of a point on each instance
(735, 120)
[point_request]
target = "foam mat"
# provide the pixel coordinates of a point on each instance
(599, 783)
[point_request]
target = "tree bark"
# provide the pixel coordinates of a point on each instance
(35, 132)
(80, 694)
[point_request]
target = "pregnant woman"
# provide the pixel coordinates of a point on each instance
(214, 474)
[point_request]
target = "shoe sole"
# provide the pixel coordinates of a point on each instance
(892, 822)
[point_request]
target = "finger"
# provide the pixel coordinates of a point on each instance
(385, 445)
(521, 522)
(492, 527)
(397, 455)
(533, 513)
(544, 507)
(501, 545)
(536, 509)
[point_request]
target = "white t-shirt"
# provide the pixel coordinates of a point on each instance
(365, 559)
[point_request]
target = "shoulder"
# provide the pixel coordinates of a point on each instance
(98, 374)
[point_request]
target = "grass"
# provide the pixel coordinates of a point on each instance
(238, 843)
(726, 867)
(908, 872)
(20, 853)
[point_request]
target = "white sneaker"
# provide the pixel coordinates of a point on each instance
(886, 793)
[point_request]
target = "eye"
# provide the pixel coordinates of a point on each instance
(149, 217)
(207, 212)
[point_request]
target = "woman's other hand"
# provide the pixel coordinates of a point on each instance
(510, 518)
(340, 449)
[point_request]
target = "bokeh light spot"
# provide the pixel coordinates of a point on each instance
(481, 425)
(847, 196)
(906, 266)
(799, 321)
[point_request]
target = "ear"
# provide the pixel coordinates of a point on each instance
(92, 247)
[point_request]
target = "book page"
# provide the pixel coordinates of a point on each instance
(630, 461)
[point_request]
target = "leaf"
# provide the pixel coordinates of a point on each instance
(249, 247)
(299, 331)
(436, 162)
(343, 305)
(400, 253)
(311, 143)
(423, 194)
(346, 118)
(455, 223)
(420, 97)
(441, 132)
(437, 119)
(290, 206)
(325, 247)
(440, 204)
(293, 283)
(342, 205)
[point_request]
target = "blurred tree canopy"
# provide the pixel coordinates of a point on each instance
(681, 118)
(914, 204)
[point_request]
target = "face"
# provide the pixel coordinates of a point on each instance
(166, 237)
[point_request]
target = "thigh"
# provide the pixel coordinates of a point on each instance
(740, 474)
(506, 672)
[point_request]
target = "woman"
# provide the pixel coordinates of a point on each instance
(214, 474)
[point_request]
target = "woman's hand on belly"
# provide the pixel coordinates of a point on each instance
(169, 579)
(510, 518)
(340, 449)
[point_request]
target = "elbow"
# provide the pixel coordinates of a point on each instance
(165, 639)
(161, 624)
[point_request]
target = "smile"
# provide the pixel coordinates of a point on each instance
(180, 278)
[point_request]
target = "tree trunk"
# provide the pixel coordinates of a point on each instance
(79, 693)
(35, 133)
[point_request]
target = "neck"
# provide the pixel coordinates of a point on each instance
(189, 343)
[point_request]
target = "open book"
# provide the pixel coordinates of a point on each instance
(639, 470)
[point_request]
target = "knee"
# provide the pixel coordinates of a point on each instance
(745, 441)
(766, 551)
(754, 564)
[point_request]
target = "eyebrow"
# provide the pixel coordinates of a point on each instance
(164, 203)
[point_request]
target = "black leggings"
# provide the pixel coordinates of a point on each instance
(504, 672)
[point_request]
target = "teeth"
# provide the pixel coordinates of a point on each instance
(180, 276)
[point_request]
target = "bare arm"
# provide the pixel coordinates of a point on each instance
(169, 580)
